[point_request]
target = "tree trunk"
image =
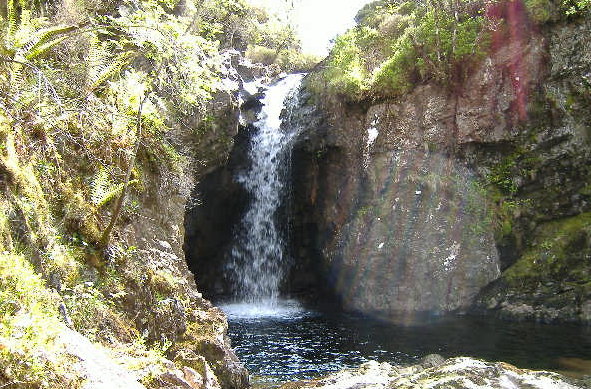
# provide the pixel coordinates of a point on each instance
(121, 199)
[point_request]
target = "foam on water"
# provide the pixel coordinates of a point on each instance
(265, 309)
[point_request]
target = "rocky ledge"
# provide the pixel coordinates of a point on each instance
(438, 373)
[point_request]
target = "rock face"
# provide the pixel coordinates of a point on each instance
(416, 204)
(402, 230)
(549, 234)
(196, 329)
(166, 302)
(452, 373)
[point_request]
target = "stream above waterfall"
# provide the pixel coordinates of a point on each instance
(288, 341)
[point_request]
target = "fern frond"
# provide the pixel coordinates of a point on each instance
(97, 58)
(111, 69)
(104, 190)
(17, 77)
(12, 18)
(39, 50)
(115, 192)
(101, 185)
(44, 40)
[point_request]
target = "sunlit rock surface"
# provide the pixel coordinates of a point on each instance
(458, 373)
(417, 203)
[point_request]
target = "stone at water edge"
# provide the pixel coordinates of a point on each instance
(437, 373)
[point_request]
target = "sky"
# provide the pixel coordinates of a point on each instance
(318, 21)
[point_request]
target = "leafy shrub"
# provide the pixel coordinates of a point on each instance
(261, 54)
(296, 61)
(576, 7)
(397, 44)
(539, 10)
(392, 76)
(345, 71)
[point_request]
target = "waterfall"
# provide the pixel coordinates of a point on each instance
(258, 261)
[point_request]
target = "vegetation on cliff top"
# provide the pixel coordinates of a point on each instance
(399, 44)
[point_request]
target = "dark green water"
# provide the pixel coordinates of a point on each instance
(288, 342)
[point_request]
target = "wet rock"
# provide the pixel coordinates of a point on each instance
(432, 360)
(458, 373)
(401, 228)
(418, 204)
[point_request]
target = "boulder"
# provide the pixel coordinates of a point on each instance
(460, 372)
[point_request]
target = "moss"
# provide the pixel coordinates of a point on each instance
(586, 190)
(557, 253)
(502, 174)
(162, 282)
(476, 205)
(95, 315)
(29, 325)
(539, 10)
(503, 193)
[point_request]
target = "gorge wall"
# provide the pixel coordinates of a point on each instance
(472, 197)
(442, 198)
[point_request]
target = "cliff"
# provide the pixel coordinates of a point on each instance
(470, 195)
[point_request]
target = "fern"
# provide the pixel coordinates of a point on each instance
(104, 190)
(114, 192)
(98, 60)
(107, 71)
(44, 41)
(101, 185)
(12, 18)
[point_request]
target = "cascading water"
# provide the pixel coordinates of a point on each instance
(257, 263)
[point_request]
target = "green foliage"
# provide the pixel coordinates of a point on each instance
(72, 82)
(288, 60)
(392, 76)
(93, 314)
(292, 60)
(29, 326)
(398, 44)
(44, 40)
(544, 11)
(261, 54)
(559, 252)
(346, 72)
(502, 176)
(103, 189)
(274, 42)
(576, 7)
(539, 10)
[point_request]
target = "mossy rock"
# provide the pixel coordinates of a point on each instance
(559, 252)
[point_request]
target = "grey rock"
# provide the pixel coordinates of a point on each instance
(457, 373)
(432, 360)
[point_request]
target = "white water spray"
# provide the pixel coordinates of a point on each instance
(258, 260)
